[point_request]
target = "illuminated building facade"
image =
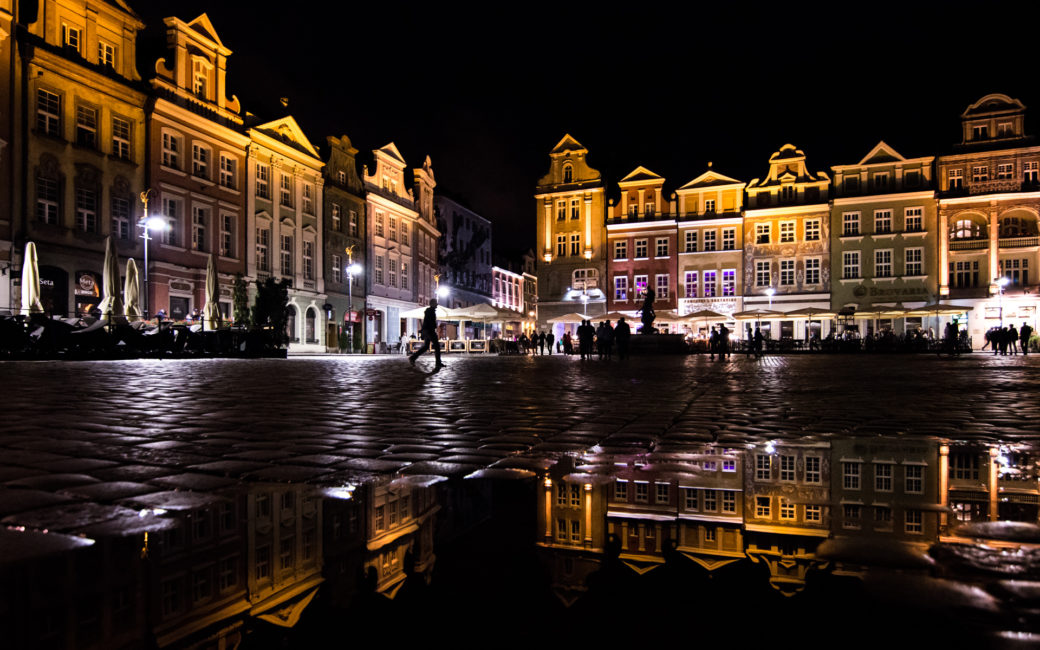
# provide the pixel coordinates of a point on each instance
(989, 202)
(989, 483)
(884, 242)
(83, 137)
(710, 244)
(425, 244)
(284, 225)
(786, 239)
(641, 244)
(571, 235)
(464, 253)
(7, 124)
(390, 278)
(399, 531)
(343, 227)
(196, 172)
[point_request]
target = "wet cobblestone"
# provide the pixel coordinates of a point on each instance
(81, 438)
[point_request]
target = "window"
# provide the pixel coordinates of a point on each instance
(787, 510)
(308, 198)
(763, 271)
(813, 514)
(286, 190)
(787, 232)
(762, 509)
(883, 516)
(709, 240)
(620, 490)
(709, 284)
(788, 193)
(642, 492)
(353, 223)
(979, 173)
(851, 184)
(337, 269)
(561, 245)
(575, 209)
(568, 173)
(561, 530)
(263, 173)
(661, 495)
(649, 209)
(199, 76)
(48, 112)
(575, 244)
(786, 273)
(287, 255)
(956, 178)
(621, 288)
(641, 249)
(709, 205)
(392, 281)
(881, 181)
(729, 465)
(227, 574)
(812, 270)
(393, 228)
(979, 131)
(762, 233)
(575, 530)
(47, 198)
(850, 265)
(86, 126)
(883, 263)
(763, 465)
(689, 499)
(787, 468)
(227, 235)
(691, 241)
(913, 521)
(711, 501)
(882, 477)
(341, 177)
(851, 513)
(263, 243)
(621, 249)
(199, 161)
(561, 210)
(379, 224)
(227, 172)
(914, 265)
(308, 260)
(1031, 171)
(379, 270)
(662, 287)
(850, 472)
(690, 284)
(729, 239)
(850, 224)
(121, 218)
(86, 209)
(914, 479)
(729, 501)
(404, 237)
(199, 222)
(1004, 130)
(882, 221)
(120, 138)
(729, 282)
(336, 214)
(70, 36)
(964, 274)
(912, 218)
(964, 466)
(662, 247)
(640, 285)
(106, 54)
(812, 470)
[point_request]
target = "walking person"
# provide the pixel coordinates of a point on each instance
(713, 343)
(1013, 339)
(541, 343)
(568, 344)
(622, 334)
(608, 339)
(749, 341)
(549, 340)
(723, 342)
(758, 342)
(429, 335)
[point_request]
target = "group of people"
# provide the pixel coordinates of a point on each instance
(602, 338)
(1005, 340)
(536, 341)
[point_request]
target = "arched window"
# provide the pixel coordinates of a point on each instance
(290, 324)
(966, 229)
(568, 173)
(310, 331)
(1011, 227)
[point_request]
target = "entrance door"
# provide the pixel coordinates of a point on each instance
(179, 307)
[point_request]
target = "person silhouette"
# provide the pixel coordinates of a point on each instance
(429, 335)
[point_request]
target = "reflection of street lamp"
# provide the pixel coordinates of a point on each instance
(148, 224)
(584, 301)
(770, 292)
(353, 268)
(1001, 283)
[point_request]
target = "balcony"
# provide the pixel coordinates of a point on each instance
(1019, 242)
(387, 194)
(995, 185)
(969, 244)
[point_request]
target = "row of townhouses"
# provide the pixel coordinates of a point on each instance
(89, 149)
(887, 233)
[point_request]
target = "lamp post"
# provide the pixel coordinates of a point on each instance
(1002, 282)
(148, 224)
(353, 268)
(770, 292)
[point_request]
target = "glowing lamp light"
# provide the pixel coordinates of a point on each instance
(770, 447)
(354, 269)
(588, 255)
(442, 292)
(548, 482)
(548, 257)
(155, 224)
(1002, 281)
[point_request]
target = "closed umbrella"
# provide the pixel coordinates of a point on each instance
(31, 281)
(111, 305)
(132, 292)
(211, 310)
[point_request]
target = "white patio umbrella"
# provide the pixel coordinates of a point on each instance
(132, 292)
(443, 313)
(31, 281)
(573, 317)
(211, 310)
(111, 305)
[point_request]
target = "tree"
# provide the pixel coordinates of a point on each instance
(240, 301)
(271, 309)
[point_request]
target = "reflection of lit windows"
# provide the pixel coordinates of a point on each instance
(787, 510)
(851, 515)
(913, 521)
(813, 513)
(914, 479)
(642, 492)
(690, 498)
(620, 490)
(661, 495)
(380, 517)
(763, 465)
(882, 477)
(561, 494)
(787, 468)
(729, 501)
(561, 530)
(576, 496)
(762, 507)
(575, 531)
(812, 469)
(850, 475)
(711, 501)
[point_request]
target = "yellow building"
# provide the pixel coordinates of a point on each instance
(571, 234)
(989, 203)
(786, 242)
(6, 136)
(711, 244)
(84, 141)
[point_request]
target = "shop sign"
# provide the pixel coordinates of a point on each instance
(912, 293)
(180, 286)
(86, 284)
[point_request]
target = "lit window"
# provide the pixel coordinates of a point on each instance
(786, 273)
(882, 221)
(48, 112)
(710, 286)
(691, 284)
(787, 232)
(621, 288)
(883, 263)
(227, 172)
(812, 270)
(812, 230)
(850, 265)
(641, 249)
(729, 282)
(913, 219)
(199, 161)
(850, 224)
(86, 126)
(120, 138)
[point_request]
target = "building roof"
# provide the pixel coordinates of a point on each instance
(993, 103)
(881, 153)
(567, 143)
(710, 178)
(288, 131)
(640, 174)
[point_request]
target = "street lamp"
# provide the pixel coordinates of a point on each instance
(353, 268)
(148, 224)
(770, 292)
(1002, 282)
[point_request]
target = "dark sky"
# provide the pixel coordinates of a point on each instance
(487, 92)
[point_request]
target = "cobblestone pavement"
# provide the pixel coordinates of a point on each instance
(97, 432)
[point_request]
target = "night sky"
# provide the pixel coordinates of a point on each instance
(487, 92)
